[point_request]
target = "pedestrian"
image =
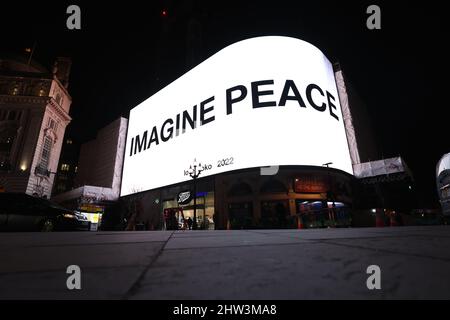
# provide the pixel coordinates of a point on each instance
(215, 220)
(189, 223)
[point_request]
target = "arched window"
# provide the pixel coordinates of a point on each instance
(240, 189)
(273, 186)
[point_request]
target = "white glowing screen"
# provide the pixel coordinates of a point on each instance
(265, 101)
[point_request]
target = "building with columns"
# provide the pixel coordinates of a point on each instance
(34, 114)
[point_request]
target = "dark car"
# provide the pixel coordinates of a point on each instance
(22, 212)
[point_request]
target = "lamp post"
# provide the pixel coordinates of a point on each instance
(194, 172)
(330, 194)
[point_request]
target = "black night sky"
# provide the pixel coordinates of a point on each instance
(127, 51)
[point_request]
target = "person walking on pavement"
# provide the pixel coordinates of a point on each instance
(189, 223)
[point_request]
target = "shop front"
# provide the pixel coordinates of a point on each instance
(94, 213)
(245, 199)
(180, 203)
(324, 214)
(320, 197)
(328, 203)
(184, 213)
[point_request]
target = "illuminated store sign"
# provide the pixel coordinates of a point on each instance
(184, 197)
(260, 102)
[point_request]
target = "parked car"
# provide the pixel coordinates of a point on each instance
(22, 212)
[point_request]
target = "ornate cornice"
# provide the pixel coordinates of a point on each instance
(42, 101)
(55, 107)
(23, 99)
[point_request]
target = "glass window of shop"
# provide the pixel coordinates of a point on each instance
(323, 214)
(205, 211)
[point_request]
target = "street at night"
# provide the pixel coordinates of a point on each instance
(247, 264)
(250, 152)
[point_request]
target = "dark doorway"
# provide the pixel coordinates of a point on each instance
(241, 215)
(274, 214)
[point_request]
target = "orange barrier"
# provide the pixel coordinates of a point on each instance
(300, 224)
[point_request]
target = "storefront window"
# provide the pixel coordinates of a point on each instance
(204, 212)
(322, 214)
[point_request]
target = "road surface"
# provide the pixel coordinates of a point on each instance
(414, 263)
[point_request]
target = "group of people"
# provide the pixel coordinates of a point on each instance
(187, 224)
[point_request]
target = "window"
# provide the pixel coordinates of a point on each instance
(12, 115)
(61, 187)
(6, 143)
(240, 189)
(45, 156)
(52, 124)
(65, 167)
(69, 141)
(273, 186)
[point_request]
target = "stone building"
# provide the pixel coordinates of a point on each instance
(34, 114)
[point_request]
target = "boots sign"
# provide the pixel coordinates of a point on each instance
(184, 197)
(265, 101)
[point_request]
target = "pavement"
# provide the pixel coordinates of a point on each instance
(414, 263)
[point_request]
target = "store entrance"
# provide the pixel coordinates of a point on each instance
(204, 211)
(274, 214)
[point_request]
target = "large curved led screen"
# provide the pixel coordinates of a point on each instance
(265, 101)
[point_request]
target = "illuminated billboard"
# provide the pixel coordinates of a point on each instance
(265, 101)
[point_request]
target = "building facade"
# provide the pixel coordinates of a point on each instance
(443, 184)
(297, 197)
(34, 114)
(67, 167)
(97, 180)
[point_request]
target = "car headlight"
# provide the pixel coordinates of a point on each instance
(69, 216)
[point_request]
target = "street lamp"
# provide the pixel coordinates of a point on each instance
(194, 171)
(330, 194)
(327, 164)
